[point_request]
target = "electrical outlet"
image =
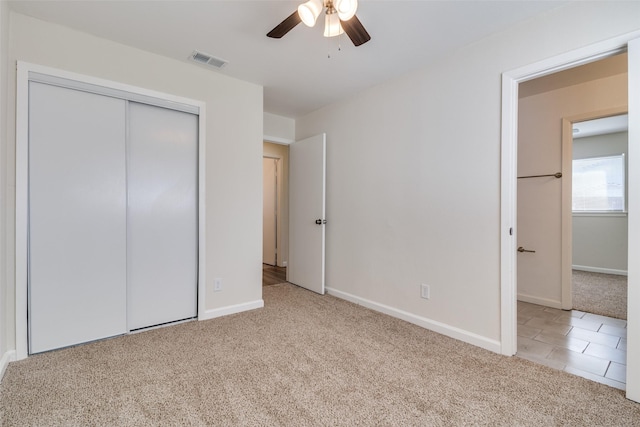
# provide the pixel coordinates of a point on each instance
(425, 292)
(217, 285)
(284, 263)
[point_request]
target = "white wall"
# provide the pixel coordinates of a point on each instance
(279, 129)
(5, 346)
(233, 147)
(413, 175)
(600, 241)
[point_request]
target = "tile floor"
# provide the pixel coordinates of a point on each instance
(583, 344)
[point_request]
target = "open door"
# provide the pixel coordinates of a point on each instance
(307, 159)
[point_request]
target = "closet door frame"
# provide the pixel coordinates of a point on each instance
(27, 72)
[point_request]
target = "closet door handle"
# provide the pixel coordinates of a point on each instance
(521, 249)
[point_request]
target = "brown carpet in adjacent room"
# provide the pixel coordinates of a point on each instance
(302, 360)
(598, 293)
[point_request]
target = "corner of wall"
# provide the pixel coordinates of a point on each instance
(278, 129)
(231, 309)
(7, 357)
(4, 60)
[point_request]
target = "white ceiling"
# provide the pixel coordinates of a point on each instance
(296, 74)
(601, 126)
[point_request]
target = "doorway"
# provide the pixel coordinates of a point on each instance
(574, 341)
(275, 213)
(303, 221)
(509, 233)
(599, 216)
(546, 108)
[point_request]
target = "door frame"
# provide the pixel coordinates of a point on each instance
(282, 232)
(508, 192)
(27, 72)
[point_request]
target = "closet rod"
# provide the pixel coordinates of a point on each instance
(557, 175)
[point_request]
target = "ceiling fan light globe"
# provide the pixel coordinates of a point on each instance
(332, 25)
(310, 11)
(346, 8)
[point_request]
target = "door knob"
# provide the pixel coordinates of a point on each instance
(521, 249)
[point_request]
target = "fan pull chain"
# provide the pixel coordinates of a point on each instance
(338, 39)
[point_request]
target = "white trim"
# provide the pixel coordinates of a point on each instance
(68, 79)
(566, 220)
(277, 140)
(25, 72)
(508, 230)
(202, 198)
(540, 301)
(156, 100)
(633, 283)
(21, 218)
(7, 358)
(508, 193)
(441, 328)
(231, 309)
(599, 270)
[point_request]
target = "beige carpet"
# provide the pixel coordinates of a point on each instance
(303, 360)
(598, 293)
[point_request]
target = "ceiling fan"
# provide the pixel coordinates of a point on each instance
(340, 17)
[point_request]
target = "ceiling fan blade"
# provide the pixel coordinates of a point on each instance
(285, 26)
(355, 30)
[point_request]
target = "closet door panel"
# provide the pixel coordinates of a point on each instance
(77, 214)
(162, 216)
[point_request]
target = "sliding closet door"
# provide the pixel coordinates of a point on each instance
(162, 215)
(77, 229)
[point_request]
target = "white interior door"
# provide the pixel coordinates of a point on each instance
(269, 210)
(307, 161)
(162, 233)
(77, 234)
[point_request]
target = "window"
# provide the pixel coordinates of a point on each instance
(599, 184)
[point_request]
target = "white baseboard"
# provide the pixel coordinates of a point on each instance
(540, 301)
(231, 309)
(599, 270)
(441, 328)
(7, 357)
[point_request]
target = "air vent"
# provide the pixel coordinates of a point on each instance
(206, 59)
